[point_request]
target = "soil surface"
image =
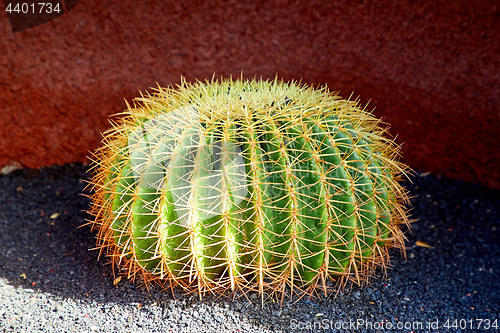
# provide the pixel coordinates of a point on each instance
(51, 282)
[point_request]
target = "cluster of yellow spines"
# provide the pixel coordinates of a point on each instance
(247, 185)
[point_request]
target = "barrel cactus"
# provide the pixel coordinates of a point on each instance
(247, 185)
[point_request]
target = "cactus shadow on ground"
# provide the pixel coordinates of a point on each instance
(49, 280)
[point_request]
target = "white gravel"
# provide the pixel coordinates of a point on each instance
(51, 282)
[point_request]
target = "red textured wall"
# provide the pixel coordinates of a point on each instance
(431, 68)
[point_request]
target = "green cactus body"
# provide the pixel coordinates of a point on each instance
(248, 185)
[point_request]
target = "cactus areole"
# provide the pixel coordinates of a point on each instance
(247, 185)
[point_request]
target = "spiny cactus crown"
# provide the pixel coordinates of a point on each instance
(247, 185)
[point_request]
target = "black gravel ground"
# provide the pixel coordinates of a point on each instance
(51, 282)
